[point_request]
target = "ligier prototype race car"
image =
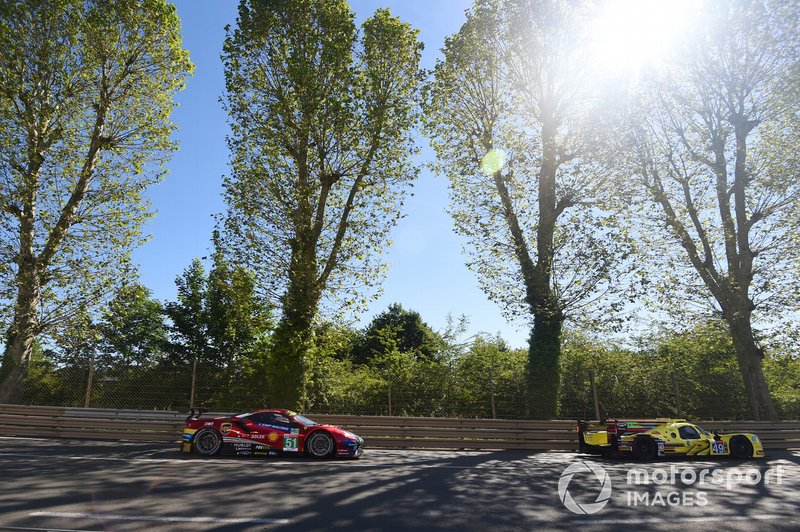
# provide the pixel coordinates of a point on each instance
(649, 438)
(268, 433)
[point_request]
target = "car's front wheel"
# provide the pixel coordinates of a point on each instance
(320, 445)
(207, 442)
(741, 448)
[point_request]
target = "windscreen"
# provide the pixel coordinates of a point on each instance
(304, 420)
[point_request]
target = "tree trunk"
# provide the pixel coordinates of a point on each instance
(19, 341)
(544, 349)
(750, 358)
(543, 365)
(22, 334)
(294, 334)
(293, 342)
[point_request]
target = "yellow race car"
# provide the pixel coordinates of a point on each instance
(650, 438)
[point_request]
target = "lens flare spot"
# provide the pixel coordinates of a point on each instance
(493, 161)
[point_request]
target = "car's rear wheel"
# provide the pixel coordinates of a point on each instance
(207, 442)
(644, 448)
(320, 445)
(741, 448)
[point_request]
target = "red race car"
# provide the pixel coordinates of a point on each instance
(268, 433)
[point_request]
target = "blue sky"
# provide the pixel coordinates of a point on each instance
(427, 271)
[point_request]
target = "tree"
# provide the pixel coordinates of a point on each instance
(321, 157)
(132, 330)
(86, 92)
(491, 379)
(237, 319)
(716, 153)
(516, 129)
(189, 330)
(410, 335)
(218, 318)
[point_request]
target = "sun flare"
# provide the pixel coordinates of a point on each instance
(631, 33)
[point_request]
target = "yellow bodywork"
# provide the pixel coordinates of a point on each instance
(671, 437)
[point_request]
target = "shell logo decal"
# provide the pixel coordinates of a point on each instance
(273, 436)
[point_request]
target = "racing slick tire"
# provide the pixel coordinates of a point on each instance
(320, 445)
(741, 448)
(207, 442)
(644, 448)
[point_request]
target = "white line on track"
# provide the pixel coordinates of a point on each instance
(238, 462)
(34, 529)
(637, 521)
(103, 458)
(164, 519)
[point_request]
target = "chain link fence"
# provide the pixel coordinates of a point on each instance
(420, 389)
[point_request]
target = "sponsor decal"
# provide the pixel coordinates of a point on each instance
(273, 437)
(237, 440)
(754, 438)
(258, 436)
(208, 424)
(290, 443)
(225, 428)
(274, 427)
(297, 431)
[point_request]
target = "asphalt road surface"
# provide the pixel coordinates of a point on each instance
(68, 485)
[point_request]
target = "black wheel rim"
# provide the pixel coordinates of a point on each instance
(321, 445)
(739, 448)
(208, 442)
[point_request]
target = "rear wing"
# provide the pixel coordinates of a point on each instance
(193, 414)
(623, 426)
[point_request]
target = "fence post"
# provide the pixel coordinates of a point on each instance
(594, 396)
(676, 395)
(390, 390)
(89, 379)
(491, 390)
(194, 380)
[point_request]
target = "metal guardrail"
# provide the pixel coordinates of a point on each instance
(378, 431)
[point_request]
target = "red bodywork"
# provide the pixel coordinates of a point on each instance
(267, 432)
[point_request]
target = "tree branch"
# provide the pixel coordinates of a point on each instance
(66, 218)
